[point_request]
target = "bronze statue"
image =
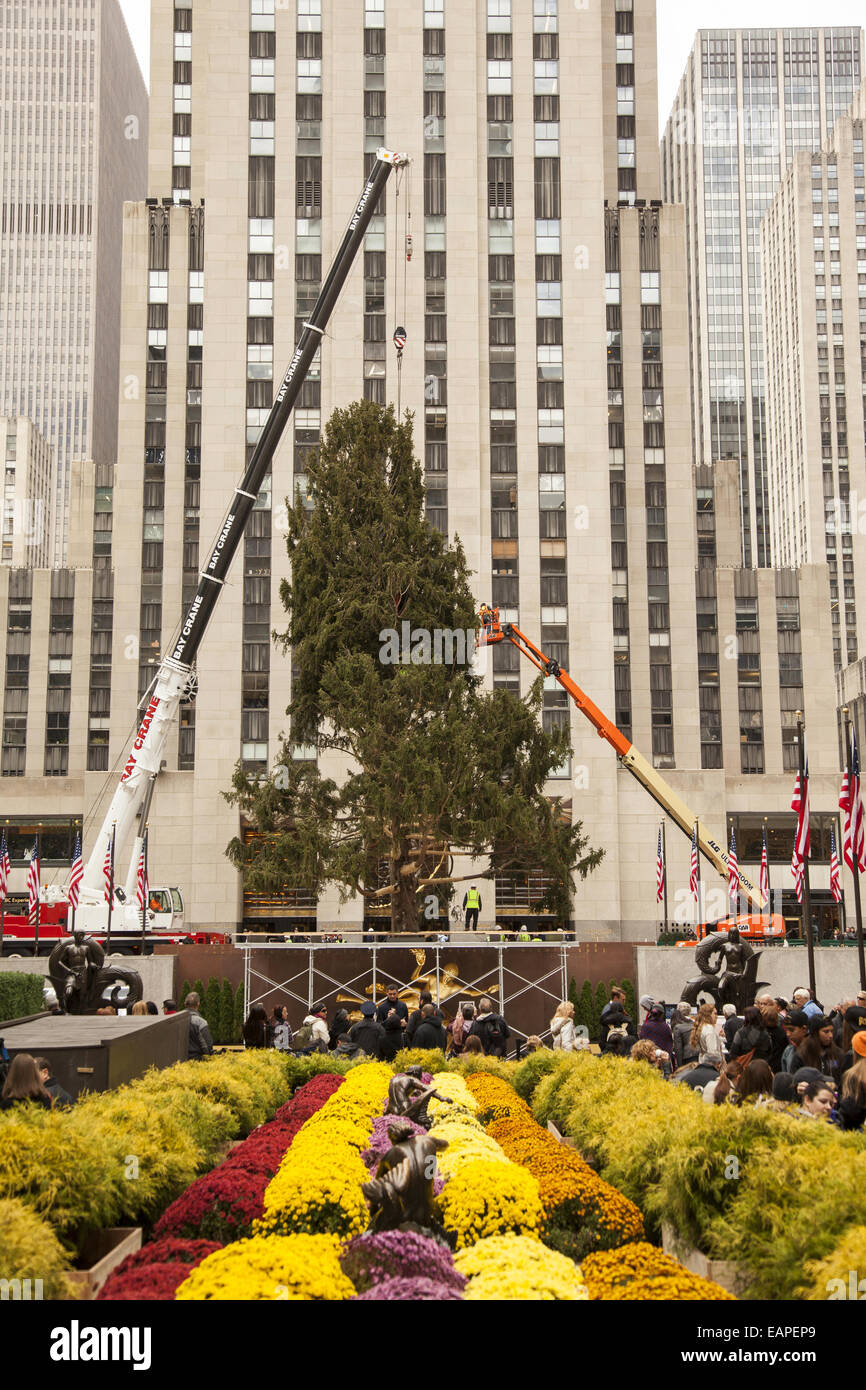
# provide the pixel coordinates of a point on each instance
(737, 985)
(77, 970)
(401, 1193)
(409, 1097)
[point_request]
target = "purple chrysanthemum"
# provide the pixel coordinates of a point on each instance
(409, 1291)
(399, 1257)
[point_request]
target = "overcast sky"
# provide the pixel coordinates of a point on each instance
(677, 19)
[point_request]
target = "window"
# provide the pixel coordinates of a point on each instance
(500, 237)
(546, 138)
(309, 16)
(499, 16)
(157, 292)
(611, 287)
(434, 14)
(498, 78)
(649, 287)
(308, 235)
(546, 75)
(434, 234)
(374, 14)
(548, 299)
(544, 16)
(309, 77)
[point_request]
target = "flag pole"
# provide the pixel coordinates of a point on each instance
(665, 867)
(111, 886)
(765, 849)
(807, 889)
(700, 884)
(849, 761)
(36, 927)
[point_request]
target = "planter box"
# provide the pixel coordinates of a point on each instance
(730, 1275)
(101, 1252)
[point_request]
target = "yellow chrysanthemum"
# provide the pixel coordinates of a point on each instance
(279, 1268)
(516, 1268)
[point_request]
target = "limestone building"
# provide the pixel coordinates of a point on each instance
(73, 146)
(749, 99)
(547, 367)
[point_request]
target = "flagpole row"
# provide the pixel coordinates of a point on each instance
(852, 838)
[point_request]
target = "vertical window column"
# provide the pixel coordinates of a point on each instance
(153, 514)
(101, 624)
(60, 619)
(181, 105)
(503, 382)
(435, 306)
(375, 325)
(616, 465)
(18, 624)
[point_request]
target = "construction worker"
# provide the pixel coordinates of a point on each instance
(486, 617)
(472, 907)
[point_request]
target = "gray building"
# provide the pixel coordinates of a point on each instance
(73, 147)
(748, 100)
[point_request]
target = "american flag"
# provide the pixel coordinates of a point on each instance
(660, 870)
(693, 869)
(733, 871)
(33, 885)
(850, 802)
(76, 875)
(764, 881)
(108, 870)
(141, 881)
(5, 867)
(802, 839)
(835, 884)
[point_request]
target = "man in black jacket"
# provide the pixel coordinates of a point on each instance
(61, 1098)
(392, 1003)
(415, 1017)
(614, 1005)
(429, 1032)
(200, 1040)
(491, 1028)
(368, 1033)
(708, 1067)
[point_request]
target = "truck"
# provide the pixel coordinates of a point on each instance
(128, 812)
(491, 631)
(164, 924)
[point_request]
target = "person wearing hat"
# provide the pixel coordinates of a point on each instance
(169, 1006)
(706, 1069)
(851, 1113)
(368, 1033)
(655, 1029)
(820, 1051)
(796, 1026)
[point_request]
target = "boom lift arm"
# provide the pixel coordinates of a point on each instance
(629, 756)
(175, 671)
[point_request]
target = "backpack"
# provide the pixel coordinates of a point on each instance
(304, 1037)
(618, 1030)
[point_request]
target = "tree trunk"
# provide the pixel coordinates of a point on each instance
(404, 902)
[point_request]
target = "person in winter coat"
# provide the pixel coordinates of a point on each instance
(60, 1098)
(368, 1033)
(491, 1028)
(732, 1024)
(338, 1026)
(562, 1027)
(775, 1032)
(392, 1039)
(313, 1035)
(615, 1005)
(655, 1029)
(620, 1034)
(709, 1064)
(23, 1083)
(704, 1037)
(796, 1026)
(392, 1003)
(257, 1030)
(459, 1029)
(820, 1051)
(200, 1040)
(752, 1037)
(415, 1016)
(681, 1030)
(430, 1032)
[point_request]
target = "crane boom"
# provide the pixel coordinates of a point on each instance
(631, 758)
(175, 671)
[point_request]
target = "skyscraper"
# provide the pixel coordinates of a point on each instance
(74, 147)
(748, 100)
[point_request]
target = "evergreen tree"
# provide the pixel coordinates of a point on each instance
(211, 1008)
(227, 1013)
(238, 1021)
(381, 622)
(586, 1002)
(630, 999)
(199, 989)
(599, 1002)
(185, 989)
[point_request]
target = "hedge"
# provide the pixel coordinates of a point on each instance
(20, 995)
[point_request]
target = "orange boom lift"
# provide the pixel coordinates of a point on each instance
(630, 757)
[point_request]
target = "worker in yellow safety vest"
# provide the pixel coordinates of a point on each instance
(472, 907)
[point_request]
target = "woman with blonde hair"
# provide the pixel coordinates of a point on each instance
(704, 1036)
(562, 1027)
(851, 1111)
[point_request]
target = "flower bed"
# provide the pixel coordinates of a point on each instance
(288, 1268)
(514, 1268)
(155, 1272)
(373, 1260)
(639, 1271)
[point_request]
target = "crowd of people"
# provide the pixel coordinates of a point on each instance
(781, 1053)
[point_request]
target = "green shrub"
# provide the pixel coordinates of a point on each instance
(583, 1013)
(185, 989)
(211, 1009)
(530, 1071)
(493, 1066)
(601, 998)
(227, 1015)
(239, 1014)
(31, 1250)
(429, 1059)
(630, 998)
(199, 989)
(20, 995)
